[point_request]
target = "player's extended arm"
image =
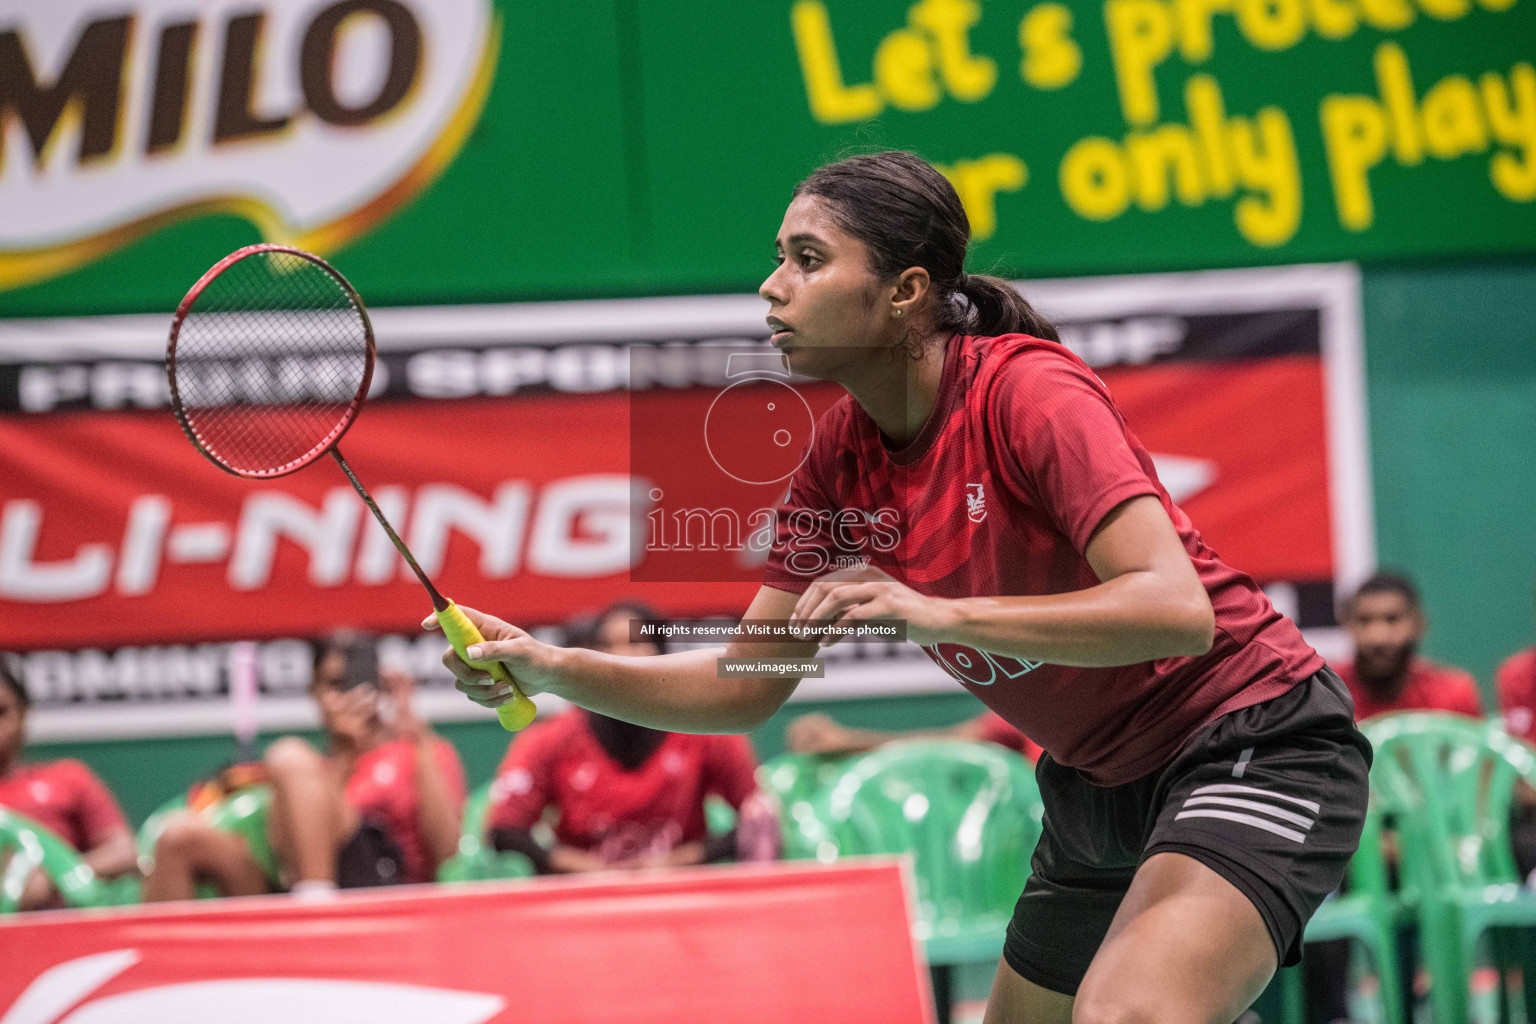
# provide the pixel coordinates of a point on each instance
(1149, 605)
(679, 692)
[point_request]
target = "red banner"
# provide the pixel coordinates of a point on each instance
(764, 945)
(112, 521)
(113, 526)
(1243, 448)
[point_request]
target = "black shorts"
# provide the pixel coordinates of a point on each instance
(1271, 797)
(371, 857)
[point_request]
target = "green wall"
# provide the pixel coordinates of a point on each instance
(1451, 382)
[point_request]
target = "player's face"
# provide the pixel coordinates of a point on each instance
(13, 722)
(1386, 630)
(825, 305)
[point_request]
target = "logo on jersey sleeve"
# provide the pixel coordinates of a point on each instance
(975, 502)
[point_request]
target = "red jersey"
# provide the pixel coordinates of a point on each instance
(992, 729)
(67, 797)
(382, 787)
(1516, 683)
(1022, 457)
(609, 809)
(1430, 687)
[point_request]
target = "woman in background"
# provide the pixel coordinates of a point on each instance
(381, 804)
(63, 795)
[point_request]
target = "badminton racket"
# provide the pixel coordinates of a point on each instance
(270, 357)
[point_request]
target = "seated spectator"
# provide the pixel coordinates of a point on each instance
(1386, 623)
(64, 795)
(626, 796)
(1515, 681)
(382, 804)
(821, 734)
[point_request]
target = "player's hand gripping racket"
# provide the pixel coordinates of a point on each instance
(270, 358)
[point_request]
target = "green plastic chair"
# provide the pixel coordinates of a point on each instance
(243, 812)
(1451, 781)
(969, 813)
(719, 815)
(477, 860)
(1369, 914)
(796, 780)
(26, 845)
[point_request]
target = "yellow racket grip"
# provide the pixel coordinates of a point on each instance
(516, 713)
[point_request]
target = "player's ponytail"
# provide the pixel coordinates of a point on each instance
(996, 307)
(907, 214)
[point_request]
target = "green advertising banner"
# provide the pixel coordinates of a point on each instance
(1123, 136)
(469, 151)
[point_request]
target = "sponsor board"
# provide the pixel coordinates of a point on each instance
(517, 487)
(611, 148)
(312, 119)
(544, 951)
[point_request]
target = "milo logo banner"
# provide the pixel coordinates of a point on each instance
(473, 151)
(310, 120)
(513, 447)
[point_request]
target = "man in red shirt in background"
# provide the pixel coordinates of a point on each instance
(1387, 624)
(821, 734)
(64, 796)
(626, 796)
(1515, 681)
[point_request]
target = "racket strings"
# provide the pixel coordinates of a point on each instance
(266, 434)
(270, 361)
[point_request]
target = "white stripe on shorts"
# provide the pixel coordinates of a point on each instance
(1252, 805)
(1245, 819)
(1232, 787)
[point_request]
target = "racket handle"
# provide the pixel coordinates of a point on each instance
(516, 713)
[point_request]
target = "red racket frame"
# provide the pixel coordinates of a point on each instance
(330, 441)
(460, 629)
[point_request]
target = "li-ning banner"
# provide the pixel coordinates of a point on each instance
(506, 445)
(765, 945)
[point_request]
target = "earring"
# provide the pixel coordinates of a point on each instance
(898, 312)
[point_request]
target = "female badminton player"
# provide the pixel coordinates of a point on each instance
(1204, 783)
